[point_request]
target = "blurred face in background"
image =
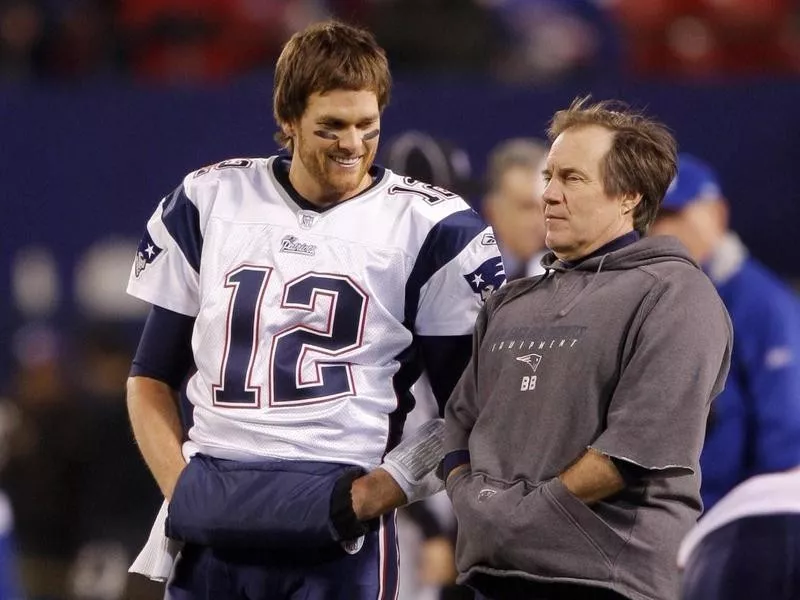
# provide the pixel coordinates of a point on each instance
(580, 216)
(516, 212)
(334, 144)
(699, 226)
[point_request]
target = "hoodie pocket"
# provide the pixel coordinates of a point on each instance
(481, 506)
(553, 533)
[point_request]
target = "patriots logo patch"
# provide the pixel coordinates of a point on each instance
(146, 253)
(487, 278)
(532, 360)
(486, 494)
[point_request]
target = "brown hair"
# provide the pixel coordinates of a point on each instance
(642, 158)
(327, 56)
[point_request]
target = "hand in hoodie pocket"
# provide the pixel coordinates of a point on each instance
(544, 530)
(482, 506)
(551, 532)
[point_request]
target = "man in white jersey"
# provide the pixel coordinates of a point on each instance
(748, 544)
(301, 295)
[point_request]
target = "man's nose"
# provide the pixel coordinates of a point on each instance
(551, 192)
(350, 139)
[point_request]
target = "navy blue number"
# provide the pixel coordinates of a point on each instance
(432, 194)
(300, 372)
(241, 339)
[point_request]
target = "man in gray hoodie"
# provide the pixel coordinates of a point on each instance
(573, 437)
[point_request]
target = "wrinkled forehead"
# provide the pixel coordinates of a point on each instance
(580, 147)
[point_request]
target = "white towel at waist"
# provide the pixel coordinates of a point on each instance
(159, 552)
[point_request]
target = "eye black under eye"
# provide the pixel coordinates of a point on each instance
(326, 134)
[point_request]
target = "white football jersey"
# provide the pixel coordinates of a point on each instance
(304, 320)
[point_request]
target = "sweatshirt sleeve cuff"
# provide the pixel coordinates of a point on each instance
(644, 467)
(452, 460)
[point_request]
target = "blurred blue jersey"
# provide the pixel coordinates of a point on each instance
(755, 422)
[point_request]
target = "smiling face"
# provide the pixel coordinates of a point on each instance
(580, 216)
(334, 144)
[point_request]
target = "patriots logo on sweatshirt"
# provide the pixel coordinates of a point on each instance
(146, 253)
(487, 278)
(532, 360)
(486, 494)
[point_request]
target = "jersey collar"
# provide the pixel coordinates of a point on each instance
(280, 171)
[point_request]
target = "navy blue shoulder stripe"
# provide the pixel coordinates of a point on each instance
(444, 242)
(182, 220)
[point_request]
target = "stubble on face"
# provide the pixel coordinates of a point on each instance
(336, 182)
(335, 144)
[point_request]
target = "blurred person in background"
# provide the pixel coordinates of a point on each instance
(298, 297)
(748, 545)
(556, 41)
(754, 427)
(513, 204)
(116, 504)
(413, 33)
(699, 39)
(23, 37)
(43, 475)
(207, 41)
(83, 42)
(68, 40)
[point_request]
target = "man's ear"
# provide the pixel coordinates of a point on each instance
(630, 202)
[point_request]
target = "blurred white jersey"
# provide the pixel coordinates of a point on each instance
(305, 320)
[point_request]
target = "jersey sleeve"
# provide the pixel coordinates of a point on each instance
(165, 348)
(166, 268)
(444, 359)
(458, 267)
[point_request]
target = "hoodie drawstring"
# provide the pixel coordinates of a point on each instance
(548, 272)
(565, 311)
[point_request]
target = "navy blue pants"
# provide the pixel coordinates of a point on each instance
(371, 574)
(265, 530)
(751, 558)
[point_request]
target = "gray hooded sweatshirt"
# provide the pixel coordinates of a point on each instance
(623, 354)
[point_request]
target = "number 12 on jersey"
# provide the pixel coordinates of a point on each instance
(286, 385)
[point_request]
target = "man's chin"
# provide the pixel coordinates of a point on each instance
(346, 186)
